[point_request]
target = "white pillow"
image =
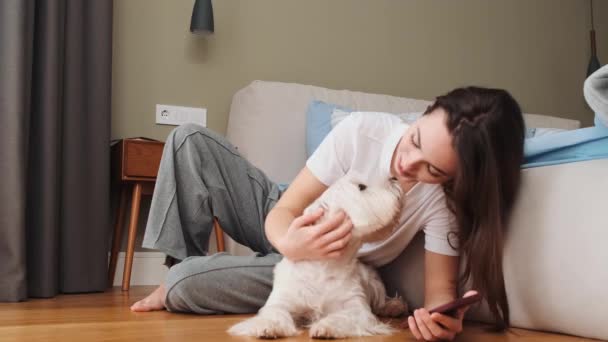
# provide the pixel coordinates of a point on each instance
(338, 115)
(539, 132)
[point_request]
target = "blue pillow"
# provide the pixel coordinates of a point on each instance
(318, 123)
(567, 147)
(543, 146)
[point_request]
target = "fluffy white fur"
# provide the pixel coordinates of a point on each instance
(335, 298)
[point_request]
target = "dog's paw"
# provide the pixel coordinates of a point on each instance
(393, 307)
(379, 329)
(263, 327)
(332, 327)
(324, 330)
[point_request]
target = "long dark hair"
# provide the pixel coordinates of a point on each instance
(487, 127)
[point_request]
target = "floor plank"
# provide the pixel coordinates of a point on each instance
(106, 317)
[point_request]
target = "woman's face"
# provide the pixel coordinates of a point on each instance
(425, 153)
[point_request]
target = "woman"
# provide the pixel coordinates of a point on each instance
(459, 166)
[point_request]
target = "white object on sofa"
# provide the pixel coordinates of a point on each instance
(556, 253)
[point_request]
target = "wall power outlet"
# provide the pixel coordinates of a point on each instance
(177, 115)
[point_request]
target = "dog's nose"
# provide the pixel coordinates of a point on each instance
(362, 187)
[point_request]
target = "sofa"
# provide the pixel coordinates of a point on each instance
(556, 252)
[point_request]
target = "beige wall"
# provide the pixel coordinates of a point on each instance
(536, 49)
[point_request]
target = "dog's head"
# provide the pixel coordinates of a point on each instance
(372, 208)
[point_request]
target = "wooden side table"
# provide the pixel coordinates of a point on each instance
(135, 165)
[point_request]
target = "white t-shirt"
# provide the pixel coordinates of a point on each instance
(362, 147)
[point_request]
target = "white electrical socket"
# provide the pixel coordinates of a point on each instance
(177, 115)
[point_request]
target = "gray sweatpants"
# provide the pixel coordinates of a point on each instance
(202, 175)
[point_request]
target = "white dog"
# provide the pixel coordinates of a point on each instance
(336, 298)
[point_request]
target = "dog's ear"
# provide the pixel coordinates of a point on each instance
(319, 203)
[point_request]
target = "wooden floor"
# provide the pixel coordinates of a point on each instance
(106, 317)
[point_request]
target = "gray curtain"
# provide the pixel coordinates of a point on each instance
(55, 97)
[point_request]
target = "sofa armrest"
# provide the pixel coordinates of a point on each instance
(555, 257)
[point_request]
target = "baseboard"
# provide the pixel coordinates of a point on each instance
(148, 268)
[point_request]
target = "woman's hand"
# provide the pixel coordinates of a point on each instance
(306, 240)
(437, 326)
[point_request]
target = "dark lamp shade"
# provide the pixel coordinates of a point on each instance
(202, 17)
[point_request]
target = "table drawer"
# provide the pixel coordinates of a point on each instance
(141, 158)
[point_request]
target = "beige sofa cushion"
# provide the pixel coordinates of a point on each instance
(267, 121)
(555, 258)
(279, 111)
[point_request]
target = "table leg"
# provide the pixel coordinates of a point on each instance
(219, 236)
(135, 202)
(117, 235)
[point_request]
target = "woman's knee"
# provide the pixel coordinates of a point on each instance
(181, 132)
(188, 283)
(200, 138)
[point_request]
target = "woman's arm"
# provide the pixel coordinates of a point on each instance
(440, 279)
(295, 235)
(304, 189)
(440, 287)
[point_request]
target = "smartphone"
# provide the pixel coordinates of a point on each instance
(451, 307)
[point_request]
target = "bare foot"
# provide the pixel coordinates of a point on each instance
(155, 301)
